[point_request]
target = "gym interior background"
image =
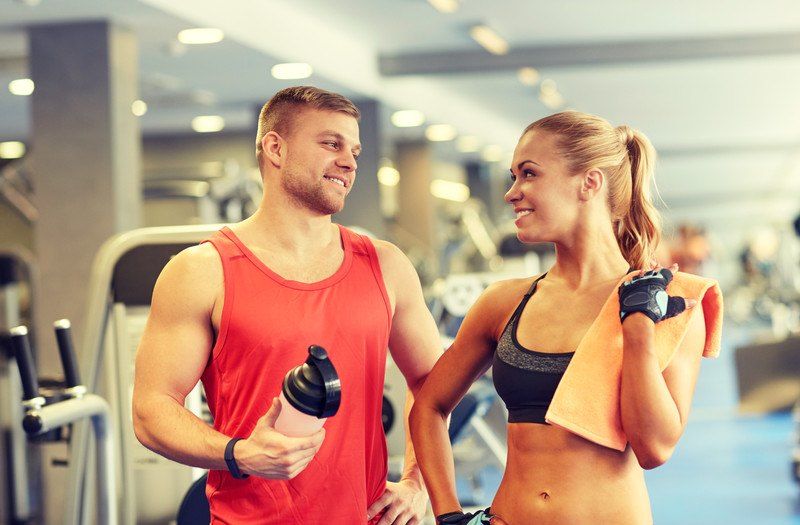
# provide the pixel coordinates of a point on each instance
(122, 114)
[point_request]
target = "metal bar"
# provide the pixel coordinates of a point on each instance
(97, 409)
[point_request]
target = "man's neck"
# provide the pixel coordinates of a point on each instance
(289, 230)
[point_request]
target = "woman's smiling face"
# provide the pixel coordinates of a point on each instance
(544, 194)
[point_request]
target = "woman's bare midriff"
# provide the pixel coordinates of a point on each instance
(554, 477)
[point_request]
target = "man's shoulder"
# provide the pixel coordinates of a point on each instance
(197, 267)
(199, 258)
(387, 249)
(392, 259)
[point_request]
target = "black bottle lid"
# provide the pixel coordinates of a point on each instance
(314, 387)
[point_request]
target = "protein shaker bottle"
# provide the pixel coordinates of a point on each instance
(311, 393)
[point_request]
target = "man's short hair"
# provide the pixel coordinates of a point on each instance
(278, 113)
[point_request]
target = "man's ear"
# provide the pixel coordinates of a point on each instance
(273, 149)
(592, 183)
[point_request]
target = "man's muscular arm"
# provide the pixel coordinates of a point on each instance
(174, 350)
(415, 346)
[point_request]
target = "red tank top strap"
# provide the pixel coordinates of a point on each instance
(227, 250)
(224, 244)
(363, 245)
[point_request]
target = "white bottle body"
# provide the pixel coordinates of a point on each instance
(292, 422)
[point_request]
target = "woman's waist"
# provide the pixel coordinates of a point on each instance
(571, 494)
(526, 507)
(551, 455)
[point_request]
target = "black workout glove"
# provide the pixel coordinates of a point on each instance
(457, 518)
(648, 294)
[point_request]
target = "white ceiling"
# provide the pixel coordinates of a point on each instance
(726, 126)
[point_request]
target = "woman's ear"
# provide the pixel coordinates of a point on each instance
(592, 184)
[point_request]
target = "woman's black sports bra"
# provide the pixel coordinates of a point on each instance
(526, 380)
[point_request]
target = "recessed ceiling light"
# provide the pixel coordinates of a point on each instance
(528, 76)
(468, 144)
(388, 176)
(21, 86)
(444, 6)
(440, 132)
(408, 118)
(449, 190)
(548, 86)
(139, 107)
(492, 153)
(491, 41)
(12, 150)
(291, 71)
(208, 123)
(553, 100)
(201, 35)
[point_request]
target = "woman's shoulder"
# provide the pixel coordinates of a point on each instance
(510, 289)
(496, 304)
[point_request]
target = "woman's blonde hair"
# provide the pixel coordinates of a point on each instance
(627, 158)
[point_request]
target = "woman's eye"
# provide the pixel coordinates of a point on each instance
(529, 173)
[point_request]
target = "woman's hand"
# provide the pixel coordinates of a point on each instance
(646, 293)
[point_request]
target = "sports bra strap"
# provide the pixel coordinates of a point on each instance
(533, 286)
(525, 298)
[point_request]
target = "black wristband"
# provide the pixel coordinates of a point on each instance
(233, 468)
(455, 517)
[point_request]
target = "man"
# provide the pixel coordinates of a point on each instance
(241, 310)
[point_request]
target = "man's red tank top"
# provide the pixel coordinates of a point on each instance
(267, 325)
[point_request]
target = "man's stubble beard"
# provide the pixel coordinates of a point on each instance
(310, 195)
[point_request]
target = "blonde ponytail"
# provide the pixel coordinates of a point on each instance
(639, 231)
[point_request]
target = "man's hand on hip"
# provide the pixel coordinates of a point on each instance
(269, 454)
(402, 503)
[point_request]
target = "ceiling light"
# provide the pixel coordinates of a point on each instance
(201, 35)
(492, 153)
(139, 107)
(440, 132)
(548, 86)
(468, 144)
(448, 190)
(408, 118)
(491, 41)
(553, 100)
(549, 95)
(291, 71)
(528, 76)
(444, 6)
(21, 86)
(208, 123)
(11, 150)
(388, 176)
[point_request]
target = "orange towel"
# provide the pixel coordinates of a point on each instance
(587, 401)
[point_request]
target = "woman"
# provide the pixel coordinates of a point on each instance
(581, 184)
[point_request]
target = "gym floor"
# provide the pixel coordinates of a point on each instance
(728, 469)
